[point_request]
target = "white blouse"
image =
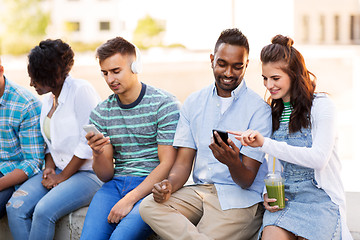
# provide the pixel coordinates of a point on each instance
(76, 101)
(322, 156)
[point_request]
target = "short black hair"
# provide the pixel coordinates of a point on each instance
(50, 62)
(232, 36)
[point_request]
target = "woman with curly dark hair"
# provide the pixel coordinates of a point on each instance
(67, 181)
(304, 140)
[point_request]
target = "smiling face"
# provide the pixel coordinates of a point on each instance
(229, 65)
(276, 80)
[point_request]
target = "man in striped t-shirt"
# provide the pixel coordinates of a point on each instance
(134, 150)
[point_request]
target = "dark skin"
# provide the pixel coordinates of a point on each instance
(242, 172)
(229, 64)
(50, 178)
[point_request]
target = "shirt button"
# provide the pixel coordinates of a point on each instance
(218, 105)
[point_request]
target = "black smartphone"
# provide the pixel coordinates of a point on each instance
(224, 136)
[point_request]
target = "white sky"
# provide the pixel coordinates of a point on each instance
(198, 23)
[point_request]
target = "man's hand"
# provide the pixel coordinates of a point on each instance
(227, 155)
(97, 142)
(120, 210)
(162, 191)
(243, 171)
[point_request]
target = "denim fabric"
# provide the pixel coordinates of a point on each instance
(309, 211)
(33, 210)
(4, 198)
(131, 227)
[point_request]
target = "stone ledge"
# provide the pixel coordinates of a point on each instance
(69, 227)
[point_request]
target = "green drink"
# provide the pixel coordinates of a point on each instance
(275, 189)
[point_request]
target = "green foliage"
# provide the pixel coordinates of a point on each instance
(18, 45)
(25, 17)
(24, 24)
(148, 32)
(83, 47)
(175, 45)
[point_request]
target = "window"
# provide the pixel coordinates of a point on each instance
(355, 29)
(322, 29)
(336, 28)
(104, 26)
(72, 26)
(305, 27)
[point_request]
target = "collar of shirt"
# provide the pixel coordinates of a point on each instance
(236, 92)
(6, 93)
(65, 90)
(200, 114)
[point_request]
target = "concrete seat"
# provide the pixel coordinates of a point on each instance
(69, 227)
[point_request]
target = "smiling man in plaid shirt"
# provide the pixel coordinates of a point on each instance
(21, 143)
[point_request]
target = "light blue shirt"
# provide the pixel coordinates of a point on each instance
(200, 114)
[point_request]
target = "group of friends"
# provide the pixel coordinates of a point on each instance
(134, 172)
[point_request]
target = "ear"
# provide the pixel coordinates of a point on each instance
(1, 70)
(212, 60)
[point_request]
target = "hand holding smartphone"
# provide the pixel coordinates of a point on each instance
(91, 128)
(224, 136)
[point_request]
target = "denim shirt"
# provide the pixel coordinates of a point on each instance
(200, 114)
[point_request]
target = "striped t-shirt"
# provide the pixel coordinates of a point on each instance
(285, 116)
(136, 130)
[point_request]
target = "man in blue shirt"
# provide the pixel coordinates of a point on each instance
(225, 200)
(21, 142)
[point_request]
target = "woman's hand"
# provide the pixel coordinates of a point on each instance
(52, 180)
(270, 200)
(48, 171)
(250, 138)
(267, 205)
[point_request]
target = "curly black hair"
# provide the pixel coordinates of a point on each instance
(50, 62)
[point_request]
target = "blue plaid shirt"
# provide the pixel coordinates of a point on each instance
(21, 142)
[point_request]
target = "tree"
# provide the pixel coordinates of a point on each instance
(148, 32)
(25, 23)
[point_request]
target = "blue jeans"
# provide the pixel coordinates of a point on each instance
(96, 225)
(4, 198)
(33, 210)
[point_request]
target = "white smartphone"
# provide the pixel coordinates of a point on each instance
(91, 128)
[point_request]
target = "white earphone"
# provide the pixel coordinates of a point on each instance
(136, 66)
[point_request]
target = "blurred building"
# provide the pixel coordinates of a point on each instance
(327, 21)
(87, 20)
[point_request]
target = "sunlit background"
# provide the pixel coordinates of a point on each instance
(177, 37)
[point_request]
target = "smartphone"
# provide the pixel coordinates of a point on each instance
(224, 136)
(91, 128)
